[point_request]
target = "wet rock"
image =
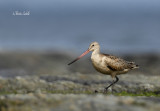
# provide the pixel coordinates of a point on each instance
(77, 92)
(147, 87)
(81, 102)
(75, 83)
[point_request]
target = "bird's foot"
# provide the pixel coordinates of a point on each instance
(105, 91)
(113, 91)
(96, 91)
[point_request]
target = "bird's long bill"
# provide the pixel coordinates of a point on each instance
(86, 52)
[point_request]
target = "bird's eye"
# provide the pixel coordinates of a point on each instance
(92, 45)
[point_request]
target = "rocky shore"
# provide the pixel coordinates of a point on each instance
(80, 102)
(76, 92)
(43, 82)
(79, 83)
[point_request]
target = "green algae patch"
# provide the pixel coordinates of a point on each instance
(69, 92)
(88, 92)
(148, 94)
(8, 92)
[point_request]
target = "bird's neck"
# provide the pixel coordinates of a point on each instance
(95, 52)
(95, 56)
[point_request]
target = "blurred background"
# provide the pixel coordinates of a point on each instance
(57, 31)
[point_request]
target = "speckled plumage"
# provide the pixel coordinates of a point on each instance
(108, 64)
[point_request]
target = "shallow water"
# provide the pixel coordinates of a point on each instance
(119, 26)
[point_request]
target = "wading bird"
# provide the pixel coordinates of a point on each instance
(107, 64)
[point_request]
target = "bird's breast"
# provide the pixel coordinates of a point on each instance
(99, 64)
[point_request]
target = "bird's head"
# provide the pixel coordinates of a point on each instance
(93, 46)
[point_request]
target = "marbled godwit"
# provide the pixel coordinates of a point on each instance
(107, 64)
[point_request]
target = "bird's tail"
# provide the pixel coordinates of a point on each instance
(133, 65)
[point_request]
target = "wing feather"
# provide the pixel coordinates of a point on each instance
(117, 64)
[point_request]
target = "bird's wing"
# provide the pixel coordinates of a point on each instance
(117, 64)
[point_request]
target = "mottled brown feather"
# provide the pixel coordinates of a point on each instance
(117, 64)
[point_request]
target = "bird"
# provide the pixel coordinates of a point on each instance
(107, 64)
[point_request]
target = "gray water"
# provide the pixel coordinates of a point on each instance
(118, 25)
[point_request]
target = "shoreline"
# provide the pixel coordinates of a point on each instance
(45, 82)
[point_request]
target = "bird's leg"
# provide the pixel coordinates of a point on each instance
(117, 79)
(113, 84)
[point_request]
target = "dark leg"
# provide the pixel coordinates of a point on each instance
(95, 91)
(117, 79)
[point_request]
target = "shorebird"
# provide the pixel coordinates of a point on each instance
(107, 64)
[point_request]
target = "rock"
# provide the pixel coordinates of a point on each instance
(147, 87)
(76, 92)
(75, 83)
(80, 102)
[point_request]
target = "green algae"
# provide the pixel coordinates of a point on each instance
(123, 93)
(148, 94)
